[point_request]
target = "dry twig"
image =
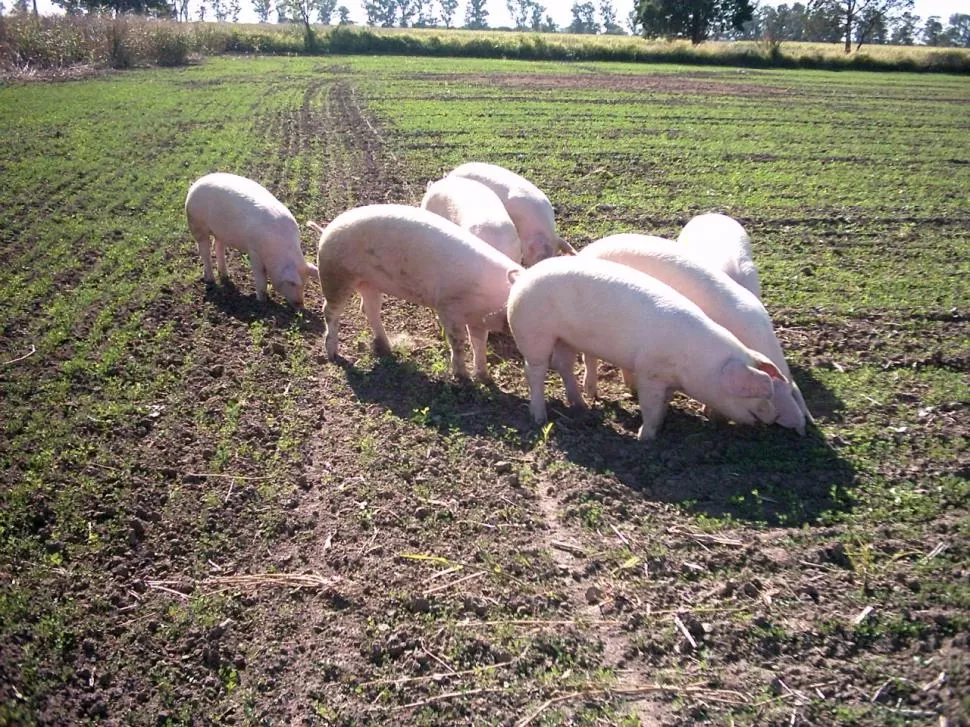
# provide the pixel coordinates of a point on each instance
(568, 548)
(31, 352)
(437, 676)
(254, 580)
(684, 631)
(443, 586)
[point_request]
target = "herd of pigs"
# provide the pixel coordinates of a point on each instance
(481, 250)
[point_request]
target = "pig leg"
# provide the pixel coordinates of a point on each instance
(654, 399)
(221, 259)
(535, 375)
(478, 336)
(201, 236)
(590, 375)
(630, 380)
(563, 360)
(371, 301)
(332, 309)
(259, 276)
(455, 333)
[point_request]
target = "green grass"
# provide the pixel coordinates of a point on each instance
(161, 432)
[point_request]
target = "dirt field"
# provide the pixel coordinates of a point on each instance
(204, 522)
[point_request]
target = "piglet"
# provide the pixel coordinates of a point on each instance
(527, 205)
(565, 305)
(476, 208)
(415, 255)
(240, 213)
(724, 301)
(720, 242)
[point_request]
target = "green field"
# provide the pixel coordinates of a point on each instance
(204, 522)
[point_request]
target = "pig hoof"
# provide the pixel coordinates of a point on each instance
(382, 348)
(645, 435)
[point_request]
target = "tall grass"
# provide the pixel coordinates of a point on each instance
(59, 42)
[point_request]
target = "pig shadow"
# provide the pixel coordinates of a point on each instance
(445, 405)
(821, 401)
(756, 473)
(760, 473)
(244, 307)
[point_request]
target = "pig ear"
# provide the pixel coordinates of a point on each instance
(513, 275)
(565, 247)
(800, 400)
(763, 364)
(738, 379)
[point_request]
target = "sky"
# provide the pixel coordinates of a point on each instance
(498, 15)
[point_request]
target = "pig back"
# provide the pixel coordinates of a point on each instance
(414, 254)
(607, 310)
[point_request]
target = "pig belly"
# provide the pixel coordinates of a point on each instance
(460, 300)
(620, 348)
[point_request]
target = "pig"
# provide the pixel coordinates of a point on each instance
(475, 208)
(722, 299)
(720, 242)
(528, 207)
(415, 255)
(564, 305)
(239, 212)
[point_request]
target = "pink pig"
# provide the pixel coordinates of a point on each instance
(721, 243)
(726, 303)
(240, 213)
(565, 305)
(476, 208)
(527, 205)
(415, 255)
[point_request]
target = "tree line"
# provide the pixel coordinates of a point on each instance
(827, 21)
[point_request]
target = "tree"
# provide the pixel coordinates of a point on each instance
(408, 9)
(633, 21)
(549, 25)
(933, 31)
(219, 10)
(381, 12)
(201, 12)
(525, 14)
(608, 18)
(878, 30)
(426, 16)
(152, 8)
(448, 8)
(584, 18)
(325, 10)
(262, 8)
(535, 16)
(864, 13)
(692, 19)
(904, 29)
(958, 30)
(476, 16)
(300, 11)
(343, 15)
